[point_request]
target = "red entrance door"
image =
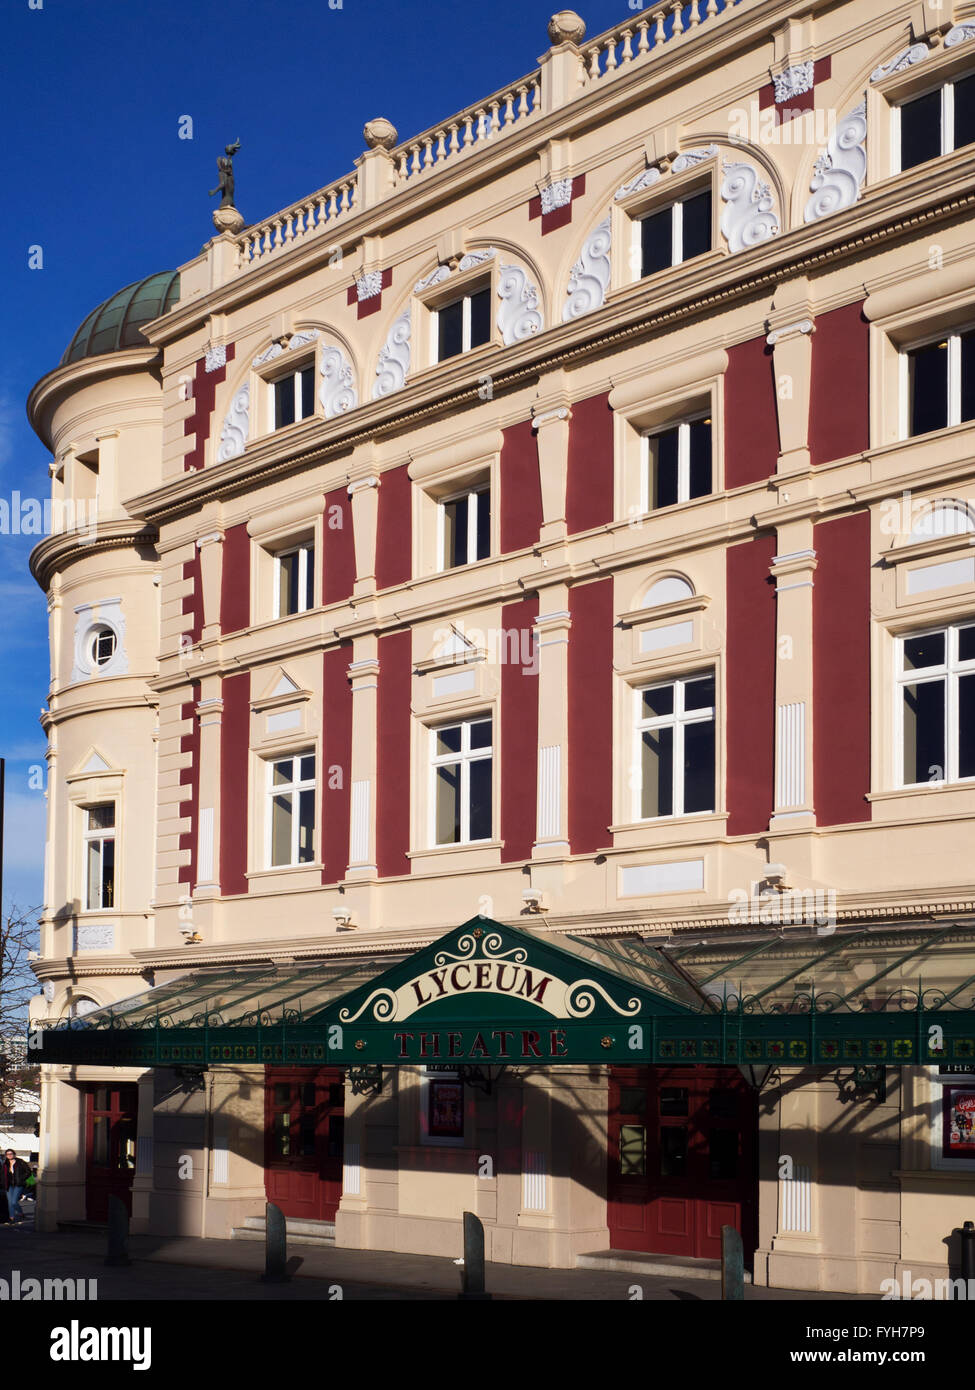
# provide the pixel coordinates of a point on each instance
(304, 1118)
(682, 1159)
(111, 1118)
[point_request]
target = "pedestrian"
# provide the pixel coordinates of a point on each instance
(15, 1174)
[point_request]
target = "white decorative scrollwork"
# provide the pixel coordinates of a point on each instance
(519, 316)
(236, 425)
(841, 169)
(337, 392)
(297, 340)
(490, 949)
(589, 277)
(688, 158)
(556, 195)
(794, 81)
(216, 357)
(475, 258)
(369, 285)
(645, 180)
(748, 218)
(580, 1000)
(268, 355)
(905, 59)
(394, 358)
(384, 1007)
(959, 34)
(434, 278)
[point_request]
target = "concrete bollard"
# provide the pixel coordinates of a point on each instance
(118, 1232)
(275, 1246)
(732, 1265)
(968, 1254)
(472, 1274)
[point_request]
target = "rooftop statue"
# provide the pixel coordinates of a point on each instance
(226, 218)
(225, 163)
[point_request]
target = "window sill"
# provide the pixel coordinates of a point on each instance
(468, 845)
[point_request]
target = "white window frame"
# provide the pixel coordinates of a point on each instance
(683, 460)
(471, 493)
(678, 721)
(100, 836)
(305, 550)
(948, 672)
(676, 231)
(953, 338)
(295, 373)
(947, 89)
(464, 757)
(465, 300)
(98, 631)
(289, 789)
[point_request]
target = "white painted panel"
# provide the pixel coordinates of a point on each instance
(549, 791)
(796, 1199)
(942, 576)
(534, 1182)
(221, 1159)
(204, 846)
(283, 720)
(359, 839)
(673, 635)
(454, 684)
(143, 1153)
(791, 761)
(94, 936)
(684, 876)
(352, 1173)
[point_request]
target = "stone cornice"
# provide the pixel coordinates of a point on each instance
(61, 381)
(62, 548)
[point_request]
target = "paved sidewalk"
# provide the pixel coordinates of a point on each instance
(166, 1268)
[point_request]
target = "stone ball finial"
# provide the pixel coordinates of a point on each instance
(379, 134)
(566, 27)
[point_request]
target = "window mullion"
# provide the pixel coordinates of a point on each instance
(947, 118)
(471, 524)
(678, 764)
(677, 233)
(683, 462)
(954, 379)
(465, 792)
(466, 323)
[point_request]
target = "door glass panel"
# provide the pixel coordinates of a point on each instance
(336, 1136)
(924, 732)
(336, 1095)
(282, 1094)
(657, 795)
(673, 1100)
(282, 1135)
(723, 1153)
(101, 1098)
(633, 1151)
(723, 1104)
(448, 805)
(633, 1100)
(281, 830)
(125, 1155)
(699, 767)
(99, 1148)
(481, 799)
(308, 1134)
(673, 1150)
(308, 1095)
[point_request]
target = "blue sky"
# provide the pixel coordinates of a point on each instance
(95, 174)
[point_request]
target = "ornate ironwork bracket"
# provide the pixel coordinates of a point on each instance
(481, 1078)
(867, 1079)
(366, 1081)
(191, 1078)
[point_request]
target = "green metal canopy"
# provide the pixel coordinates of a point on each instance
(486, 993)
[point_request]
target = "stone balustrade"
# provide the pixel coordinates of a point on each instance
(468, 132)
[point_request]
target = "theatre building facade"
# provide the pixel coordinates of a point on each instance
(512, 708)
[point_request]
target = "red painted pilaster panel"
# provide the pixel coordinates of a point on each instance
(750, 686)
(337, 762)
(235, 579)
(521, 491)
(393, 754)
(841, 670)
(589, 484)
(751, 429)
(193, 601)
(394, 532)
(590, 716)
(198, 422)
(519, 730)
(839, 400)
(234, 794)
(338, 579)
